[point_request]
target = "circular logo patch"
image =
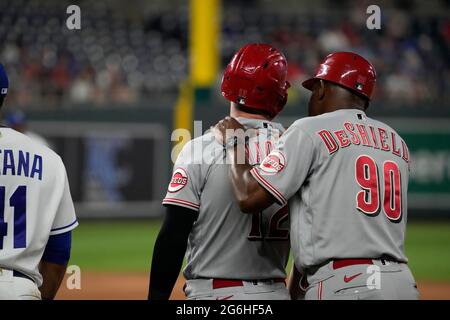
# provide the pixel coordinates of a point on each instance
(179, 180)
(273, 163)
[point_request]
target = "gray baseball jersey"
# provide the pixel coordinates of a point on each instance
(224, 242)
(346, 177)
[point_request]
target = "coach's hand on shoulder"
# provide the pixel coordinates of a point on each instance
(220, 129)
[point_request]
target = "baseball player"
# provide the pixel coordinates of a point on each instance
(18, 121)
(36, 215)
(230, 255)
(345, 176)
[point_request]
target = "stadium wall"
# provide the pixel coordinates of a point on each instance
(143, 135)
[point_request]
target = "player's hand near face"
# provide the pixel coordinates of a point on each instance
(251, 196)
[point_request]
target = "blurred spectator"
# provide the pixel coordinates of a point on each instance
(82, 88)
(126, 54)
(17, 120)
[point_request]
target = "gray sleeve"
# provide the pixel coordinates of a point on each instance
(185, 184)
(284, 170)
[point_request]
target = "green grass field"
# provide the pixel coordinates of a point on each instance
(127, 246)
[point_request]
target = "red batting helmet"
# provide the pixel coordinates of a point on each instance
(348, 70)
(256, 78)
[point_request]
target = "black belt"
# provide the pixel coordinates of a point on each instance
(21, 275)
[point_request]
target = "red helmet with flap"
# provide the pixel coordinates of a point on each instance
(346, 69)
(256, 78)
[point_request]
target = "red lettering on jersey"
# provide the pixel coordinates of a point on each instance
(394, 150)
(374, 137)
(350, 128)
(269, 147)
(392, 203)
(179, 180)
(405, 152)
(259, 156)
(366, 174)
(255, 153)
(342, 137)
(329, 141)
(364, 136)
(273, 163)
(248, 154)
(383, 138)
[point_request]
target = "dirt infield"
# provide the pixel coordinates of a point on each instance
(114, 286)
(118, 286)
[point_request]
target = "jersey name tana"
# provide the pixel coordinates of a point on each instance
(20, 163)
(368, 136)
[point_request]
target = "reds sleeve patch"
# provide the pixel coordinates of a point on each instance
(273, 163)
(179, 180)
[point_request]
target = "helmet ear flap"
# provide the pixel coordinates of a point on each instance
(284, 98)
(283, 102)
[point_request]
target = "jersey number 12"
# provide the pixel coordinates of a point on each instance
(18, 201)
(275, 231)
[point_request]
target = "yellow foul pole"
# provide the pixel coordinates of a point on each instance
(204, 31)
(204, 42)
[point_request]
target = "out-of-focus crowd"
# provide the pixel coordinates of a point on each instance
(131, 56)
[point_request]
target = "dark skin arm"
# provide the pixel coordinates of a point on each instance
(251, 196)
(52, 275)
(294, 284)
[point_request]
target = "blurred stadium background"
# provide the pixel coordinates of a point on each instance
(108, 96)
